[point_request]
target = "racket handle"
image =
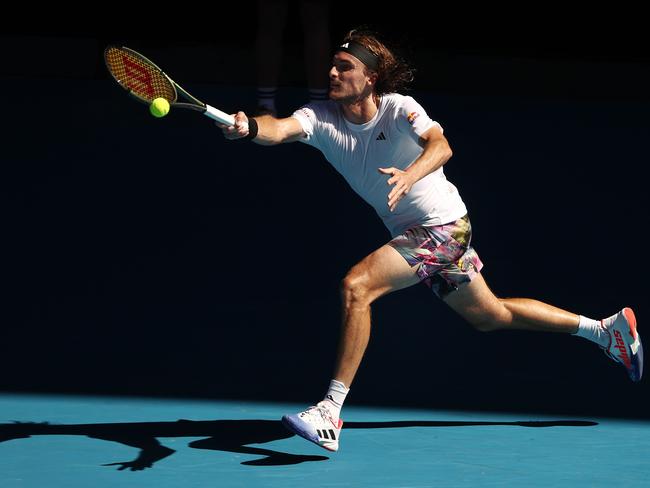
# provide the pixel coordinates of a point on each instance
(219, 116)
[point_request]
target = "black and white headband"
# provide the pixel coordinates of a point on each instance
(360, 52)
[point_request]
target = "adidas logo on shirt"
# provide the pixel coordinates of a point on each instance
(381, 137)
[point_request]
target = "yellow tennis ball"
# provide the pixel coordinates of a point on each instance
(159, 107)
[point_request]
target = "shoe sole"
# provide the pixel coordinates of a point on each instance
(637, 356)
(295, 427)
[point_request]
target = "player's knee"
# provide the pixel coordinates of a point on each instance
(354, 290)
(487, 322)
(484, 325)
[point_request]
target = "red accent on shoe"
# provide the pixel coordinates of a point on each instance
(631, 319)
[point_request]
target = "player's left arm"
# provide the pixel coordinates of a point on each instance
(436, 152)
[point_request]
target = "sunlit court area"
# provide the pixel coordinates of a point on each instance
(75, 440)
(171, 295)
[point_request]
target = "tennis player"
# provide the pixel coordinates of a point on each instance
(392, 154)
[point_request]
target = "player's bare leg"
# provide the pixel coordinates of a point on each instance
(380, 273)
(617, 335)
(476, 303)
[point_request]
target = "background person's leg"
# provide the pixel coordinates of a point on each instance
(317, 47)
(271, 20)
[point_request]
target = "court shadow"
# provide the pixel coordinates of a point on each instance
(436, 423)
(222, 435)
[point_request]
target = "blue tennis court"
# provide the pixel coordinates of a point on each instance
(79, 441)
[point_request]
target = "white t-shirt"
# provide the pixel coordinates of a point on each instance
(390, 139)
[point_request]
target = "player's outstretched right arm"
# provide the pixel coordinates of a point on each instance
(265, 130)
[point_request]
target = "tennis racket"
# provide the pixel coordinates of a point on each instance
(145, 82)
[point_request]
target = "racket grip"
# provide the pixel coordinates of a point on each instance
(219, 116)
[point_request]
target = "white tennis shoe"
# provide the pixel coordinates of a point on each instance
(316, 424)
(625, 342)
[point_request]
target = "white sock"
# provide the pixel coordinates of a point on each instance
(335, 397)
(593, 330)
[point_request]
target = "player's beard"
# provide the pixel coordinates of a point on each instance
(336, 94)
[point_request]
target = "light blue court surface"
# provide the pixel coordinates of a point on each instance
(75, 441)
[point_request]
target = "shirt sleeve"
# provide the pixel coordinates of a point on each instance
(307, 116)
(412, 119)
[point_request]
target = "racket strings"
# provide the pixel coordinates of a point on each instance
(139, 76)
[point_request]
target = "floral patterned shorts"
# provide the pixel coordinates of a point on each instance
(443, 252)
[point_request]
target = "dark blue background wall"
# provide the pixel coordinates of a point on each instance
(152, 257)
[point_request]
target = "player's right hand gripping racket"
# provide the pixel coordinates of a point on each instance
(146, 82)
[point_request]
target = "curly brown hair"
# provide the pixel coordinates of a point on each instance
(393, 74)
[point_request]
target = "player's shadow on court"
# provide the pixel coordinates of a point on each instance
(222, 435)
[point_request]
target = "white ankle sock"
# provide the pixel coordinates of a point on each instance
(592, 330)
(335, 397)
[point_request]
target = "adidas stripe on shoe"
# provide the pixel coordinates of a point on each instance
(317, 425)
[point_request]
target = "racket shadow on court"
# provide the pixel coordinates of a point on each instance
(223, 435)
